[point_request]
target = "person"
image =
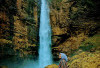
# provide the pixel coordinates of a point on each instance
(63, 61)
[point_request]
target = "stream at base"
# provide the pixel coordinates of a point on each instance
(15, 62)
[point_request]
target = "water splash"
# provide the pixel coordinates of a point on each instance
(45, 56)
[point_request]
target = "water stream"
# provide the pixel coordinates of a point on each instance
(45, 56)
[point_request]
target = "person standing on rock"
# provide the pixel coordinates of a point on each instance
(63, 61)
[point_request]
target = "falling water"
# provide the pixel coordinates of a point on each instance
(45, 56)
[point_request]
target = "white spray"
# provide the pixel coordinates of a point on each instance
(45, 56)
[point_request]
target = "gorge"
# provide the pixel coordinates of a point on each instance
(34, 32)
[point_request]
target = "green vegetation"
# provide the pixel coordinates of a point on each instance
(70, 19)
(91, 43)
(85, 9)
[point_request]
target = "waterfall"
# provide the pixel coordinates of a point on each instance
(45, 56)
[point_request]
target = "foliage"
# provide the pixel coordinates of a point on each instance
(3, 41)
(86, 48)
(91, 44)
(8, 6)
(86, 9)
(52, 1)
(85, 60)
(6, 47)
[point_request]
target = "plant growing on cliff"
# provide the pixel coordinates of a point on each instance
(85, 9)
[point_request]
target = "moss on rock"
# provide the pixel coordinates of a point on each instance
(85, 60)
(52, 66)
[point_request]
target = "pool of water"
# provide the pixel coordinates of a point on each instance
(22, 62)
